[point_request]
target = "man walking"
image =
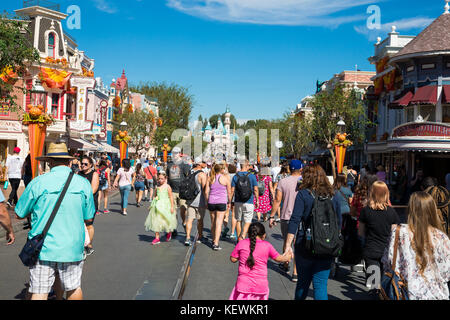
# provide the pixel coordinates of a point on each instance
(244, 187)
(176, 171)
(63, 247)
(196, 208)
(286, 192)
(14, 165)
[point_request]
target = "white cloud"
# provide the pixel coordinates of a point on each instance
(274, 12)
(402, 25)
(105, 6)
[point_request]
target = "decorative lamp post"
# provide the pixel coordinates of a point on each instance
(340, 144)
(123, 138)
(165, 149)
(37, 120)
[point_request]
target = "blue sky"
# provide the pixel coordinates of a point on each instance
(260, 57)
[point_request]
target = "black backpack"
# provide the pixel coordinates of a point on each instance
(243, 188)
(322, 233)
(102, 180)
(188, 187)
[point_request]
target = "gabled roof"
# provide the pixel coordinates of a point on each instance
(435, 38)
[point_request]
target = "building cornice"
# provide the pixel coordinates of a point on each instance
(41, 11)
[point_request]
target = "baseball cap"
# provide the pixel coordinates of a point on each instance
(198, 160)
(176, 150)
(296, 165)
(16, 150)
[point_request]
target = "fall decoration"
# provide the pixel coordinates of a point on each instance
(116, 101)
(53, 78)
(340, 144)
(123, 137)
(8, 75)
(37, 115)
(87, 73)
(62, 61)
(130, 108)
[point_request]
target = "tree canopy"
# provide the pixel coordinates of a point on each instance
(16, 54)
(175, 106)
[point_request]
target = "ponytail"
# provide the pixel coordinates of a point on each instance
(256, 229)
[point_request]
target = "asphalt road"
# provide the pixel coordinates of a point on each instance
(125, 266)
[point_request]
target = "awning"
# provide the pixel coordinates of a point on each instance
(81, 145)
(109, 148)
(446, 93)
(425, 95)
(402, 102)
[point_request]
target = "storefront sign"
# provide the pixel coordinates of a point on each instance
(10, 126)
(427, 129)
(82, 84)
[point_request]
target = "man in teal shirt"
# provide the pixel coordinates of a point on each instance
(63, 247)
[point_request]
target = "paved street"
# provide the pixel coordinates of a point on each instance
(125, 266)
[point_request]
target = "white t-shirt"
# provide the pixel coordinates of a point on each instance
(14, 165)
(125, 177)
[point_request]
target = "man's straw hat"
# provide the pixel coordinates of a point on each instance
(56, 151)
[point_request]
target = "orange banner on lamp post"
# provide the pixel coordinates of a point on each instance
(123, 150)
(36, 137)
(340, 156)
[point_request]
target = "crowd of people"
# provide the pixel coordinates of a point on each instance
(324, 222)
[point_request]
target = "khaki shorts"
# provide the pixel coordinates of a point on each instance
(178, 201)
(244, 210)
(195, 213)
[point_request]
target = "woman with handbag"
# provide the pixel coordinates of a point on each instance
(423, 251)
(124, 180)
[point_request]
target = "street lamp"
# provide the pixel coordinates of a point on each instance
(123, 125)
(165, 149)
(38, 94)
(341, 126)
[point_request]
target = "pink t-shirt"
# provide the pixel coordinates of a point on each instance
(253, 280)
(288, 187)
(125, 177)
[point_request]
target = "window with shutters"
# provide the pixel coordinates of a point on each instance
(51, 45)
(55, 104)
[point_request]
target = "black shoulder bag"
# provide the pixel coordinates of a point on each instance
(30, 252)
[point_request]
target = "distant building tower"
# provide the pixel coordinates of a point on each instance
(227, 121)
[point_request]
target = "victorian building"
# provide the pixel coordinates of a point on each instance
(412, 88)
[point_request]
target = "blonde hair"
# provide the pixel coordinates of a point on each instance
(422, 214)
(378, 196)
(218, 167)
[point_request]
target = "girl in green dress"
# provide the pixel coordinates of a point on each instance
(162, 216)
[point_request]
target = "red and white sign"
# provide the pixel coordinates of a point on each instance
(425, 129)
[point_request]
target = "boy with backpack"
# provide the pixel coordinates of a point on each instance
(244, 187)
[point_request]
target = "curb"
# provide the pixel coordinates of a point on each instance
(18, 224)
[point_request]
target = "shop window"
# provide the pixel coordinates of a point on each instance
(5, 110)
(428, 66)
(55, 104)
(51, 45)
(446, 113)
(410, 69)
(410, 114)
(428, 112)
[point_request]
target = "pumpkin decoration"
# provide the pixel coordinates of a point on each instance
(160, 122)
(116, 101)
(130, 108)
(35, 112)
(122, 134)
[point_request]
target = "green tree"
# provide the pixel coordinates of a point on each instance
(17, 53)
(214, 119)
(175, 106)
(140, 124)
(329, 107)
(296, 134)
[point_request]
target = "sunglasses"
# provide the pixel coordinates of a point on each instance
(84, 164)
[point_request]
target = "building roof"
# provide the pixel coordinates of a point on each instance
(435, 38)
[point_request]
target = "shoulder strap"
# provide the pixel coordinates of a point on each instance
(57, 205)
(397, 236)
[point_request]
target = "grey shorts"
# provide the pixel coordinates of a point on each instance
(244, 211)
(42, 275)
(284, 224)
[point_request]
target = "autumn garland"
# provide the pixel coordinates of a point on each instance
(123, 137)
(342, 141)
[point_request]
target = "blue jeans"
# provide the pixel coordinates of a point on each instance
(315, 270)
(124, 192)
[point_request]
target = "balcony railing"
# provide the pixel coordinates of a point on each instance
(41, 3)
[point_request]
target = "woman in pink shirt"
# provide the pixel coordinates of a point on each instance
(253, 254)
